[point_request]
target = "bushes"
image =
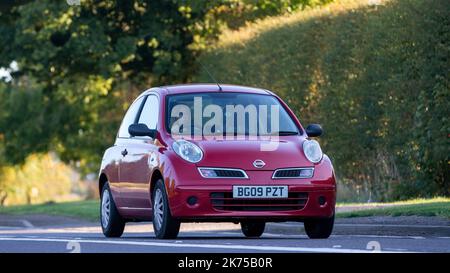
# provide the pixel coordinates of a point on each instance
(40, 179)
(79, 66)
(376, 77)
(235, 13)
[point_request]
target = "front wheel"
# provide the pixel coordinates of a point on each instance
(319, 228)
(164, 225)
(112, 223)
(253, 229)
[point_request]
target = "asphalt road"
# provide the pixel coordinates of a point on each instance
(388, 234)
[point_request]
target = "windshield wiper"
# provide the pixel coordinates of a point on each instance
(283, 133)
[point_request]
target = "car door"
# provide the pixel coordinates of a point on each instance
(137, 165)
(120, 149)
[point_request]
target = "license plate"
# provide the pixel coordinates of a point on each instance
(260, 191)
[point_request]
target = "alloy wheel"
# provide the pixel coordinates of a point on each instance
(106, 208)
(158, 209)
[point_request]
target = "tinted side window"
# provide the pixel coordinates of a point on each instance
(150, 112)
(129, 118)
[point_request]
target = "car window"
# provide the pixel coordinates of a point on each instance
(241, 126)
(149, 114)
(129, 118)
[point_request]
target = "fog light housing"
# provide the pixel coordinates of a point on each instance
(322, 200)
(192, 200)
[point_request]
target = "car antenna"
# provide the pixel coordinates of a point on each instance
(211, 76)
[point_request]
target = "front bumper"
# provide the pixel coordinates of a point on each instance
(206, 208)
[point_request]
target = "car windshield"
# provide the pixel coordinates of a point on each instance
(227, 114)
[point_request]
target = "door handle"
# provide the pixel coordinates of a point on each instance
(124, 152)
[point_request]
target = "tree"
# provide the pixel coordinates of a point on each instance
(79, 64)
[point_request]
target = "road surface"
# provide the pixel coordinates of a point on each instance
(49, 234)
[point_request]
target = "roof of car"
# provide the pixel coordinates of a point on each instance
(208, 87)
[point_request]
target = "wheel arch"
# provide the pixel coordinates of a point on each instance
(103, 179)
(156, 175)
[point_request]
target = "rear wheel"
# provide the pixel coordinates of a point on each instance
(253, 229)
(164, 225)
(319, 228)
(112, 223)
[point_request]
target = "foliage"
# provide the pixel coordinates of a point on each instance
(236, 13)
(80, 66)
(40, 179)
(375, 76)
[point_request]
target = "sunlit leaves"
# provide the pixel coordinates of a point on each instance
(375, 77)
(81, 65)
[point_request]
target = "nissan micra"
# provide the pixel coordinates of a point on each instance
(209, 152)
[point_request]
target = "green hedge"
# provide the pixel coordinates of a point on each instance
(375, 76)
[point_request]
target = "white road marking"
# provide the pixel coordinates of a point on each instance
(265, 234)
(333, 236)
(386, 236)
(228, 233)
(215, 246)
(273, 234)
(26, 223)
(48, 232)
(10, 228)
(365, 225)
(395, 249)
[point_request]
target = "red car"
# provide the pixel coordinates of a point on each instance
(192, 153)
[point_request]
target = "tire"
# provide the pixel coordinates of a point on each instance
(253, 229)
(112, 223)
(319, 228)
(164, 225)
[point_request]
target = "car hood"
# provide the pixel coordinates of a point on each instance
(242, 153)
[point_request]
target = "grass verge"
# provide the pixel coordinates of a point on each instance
(419, 207)
(89, 210)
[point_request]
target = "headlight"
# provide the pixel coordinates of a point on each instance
(188, 151)
(312, 151)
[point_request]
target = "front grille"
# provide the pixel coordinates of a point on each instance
(221, 173)
(288, 173)
(229, 173)
(293, 173)
(225, 201)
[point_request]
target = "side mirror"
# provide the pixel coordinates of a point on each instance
(140, 129)
(314, 130)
